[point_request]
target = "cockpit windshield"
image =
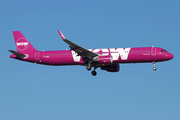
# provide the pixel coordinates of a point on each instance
(163, 51)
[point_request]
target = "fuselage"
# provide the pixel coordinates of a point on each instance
(118, 55)
(107, 59)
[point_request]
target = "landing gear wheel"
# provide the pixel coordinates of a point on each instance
(94, 73)
(88, 67)
(154, 68)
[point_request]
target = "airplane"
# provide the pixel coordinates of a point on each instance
(107, 59)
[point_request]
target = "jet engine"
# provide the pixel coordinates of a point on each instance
(103, 59)
(111, 68)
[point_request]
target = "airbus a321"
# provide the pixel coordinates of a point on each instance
(107, 59)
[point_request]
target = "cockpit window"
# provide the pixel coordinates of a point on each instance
(163, 51)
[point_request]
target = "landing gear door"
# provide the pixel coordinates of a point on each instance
(37, 55)
(153, 51)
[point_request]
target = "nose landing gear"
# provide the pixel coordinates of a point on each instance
(154, 68)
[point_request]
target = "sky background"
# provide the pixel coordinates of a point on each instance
(38, 92)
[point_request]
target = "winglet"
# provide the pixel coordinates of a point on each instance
(62, 36)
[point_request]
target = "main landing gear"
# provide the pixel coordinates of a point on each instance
(88, 67)
(154, 68)
(94, 73)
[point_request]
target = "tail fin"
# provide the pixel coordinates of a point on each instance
(22, 44)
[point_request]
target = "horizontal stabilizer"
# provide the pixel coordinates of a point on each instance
(17, 53)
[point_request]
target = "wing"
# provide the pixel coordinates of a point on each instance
(84, 53)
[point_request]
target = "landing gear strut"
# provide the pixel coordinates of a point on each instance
(154, 68)
(88, 67)
(94, 73)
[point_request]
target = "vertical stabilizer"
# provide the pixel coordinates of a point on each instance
(22, 44)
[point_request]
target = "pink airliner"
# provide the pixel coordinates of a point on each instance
(107, 59)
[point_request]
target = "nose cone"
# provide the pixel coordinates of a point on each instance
(170, 56)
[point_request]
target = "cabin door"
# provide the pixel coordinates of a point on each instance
(153, 51)
(37, 55)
